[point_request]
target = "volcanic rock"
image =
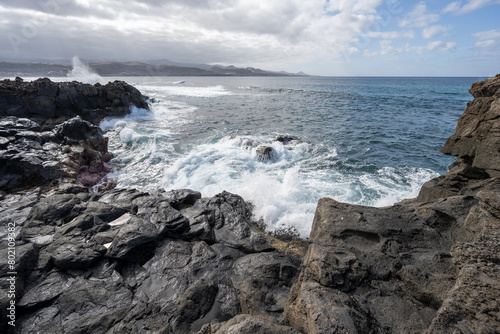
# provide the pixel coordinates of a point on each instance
(49, 103)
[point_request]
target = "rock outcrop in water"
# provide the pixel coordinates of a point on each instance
(126, 261)
(48, 103)
(49, 133)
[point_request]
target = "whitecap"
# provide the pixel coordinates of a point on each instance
(180, 90)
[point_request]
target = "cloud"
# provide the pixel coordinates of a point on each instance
(488, 42)
(419, 17)
(391, 34)
(469, 6)
(214, 31)
(433, 31)
(386, 47)
(452, 7)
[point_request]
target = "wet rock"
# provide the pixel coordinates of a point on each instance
(232, 223)
(135, 241)
(49, 103)
(76, 255)
(47, 290)
(48, 131)
(285, 139)
(33, 157)
(265, 153)
(182, 198)
(141, 249)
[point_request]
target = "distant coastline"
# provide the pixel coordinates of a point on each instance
(115, 68)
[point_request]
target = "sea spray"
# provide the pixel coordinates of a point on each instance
(83, 73)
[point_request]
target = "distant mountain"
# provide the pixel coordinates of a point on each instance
(173, 63)
(161, 67)
(33, 69)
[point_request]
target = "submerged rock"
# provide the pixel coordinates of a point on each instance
(265, 153)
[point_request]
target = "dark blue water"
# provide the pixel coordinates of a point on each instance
(369, 141)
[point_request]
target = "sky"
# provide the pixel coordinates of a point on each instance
(319, 37)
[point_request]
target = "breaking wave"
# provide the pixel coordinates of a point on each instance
(83, 73)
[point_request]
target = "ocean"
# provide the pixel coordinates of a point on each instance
(362, 140)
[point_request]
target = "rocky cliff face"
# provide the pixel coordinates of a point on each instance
(125, 261)
(429, 265)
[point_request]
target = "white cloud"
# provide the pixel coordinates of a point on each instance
(469, 6)
(488, 42)
(452, 7)
(433, 31)
(439, 46)
(217, 31)
(391, 34)
(386, 47)
(419, 17)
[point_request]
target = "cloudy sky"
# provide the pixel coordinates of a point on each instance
(324, 37)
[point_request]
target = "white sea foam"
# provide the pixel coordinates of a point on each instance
(285, 194)
(274, 187)
(394, 184)
(136, 114)
(181, 90)
(83, 73)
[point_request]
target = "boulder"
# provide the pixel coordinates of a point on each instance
(265, 153)
(264, 281)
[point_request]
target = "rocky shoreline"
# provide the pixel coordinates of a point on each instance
(125, 261)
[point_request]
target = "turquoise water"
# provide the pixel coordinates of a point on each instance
(368, 141)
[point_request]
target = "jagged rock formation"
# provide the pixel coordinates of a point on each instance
(429, 265)
(123, 261)
(48, 103)
(49, 134)
(73, 155)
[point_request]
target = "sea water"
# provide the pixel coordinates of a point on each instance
(368, 141)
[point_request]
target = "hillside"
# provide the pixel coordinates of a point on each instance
(114, 68)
